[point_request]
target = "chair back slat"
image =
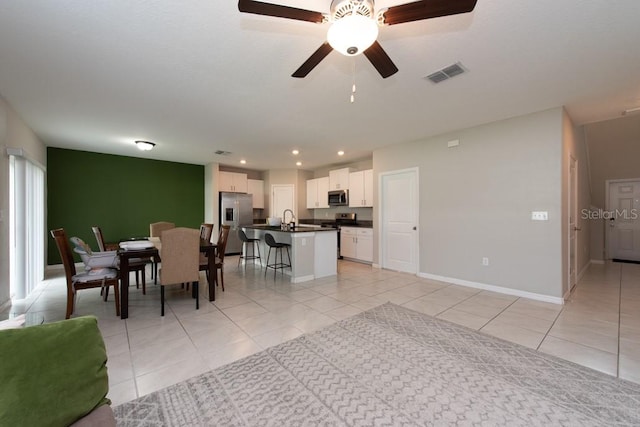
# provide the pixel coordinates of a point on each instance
(60, 237)
(99, 238)
(222, 242)
(205, 231)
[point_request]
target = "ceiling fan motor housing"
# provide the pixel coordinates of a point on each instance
(341, 8)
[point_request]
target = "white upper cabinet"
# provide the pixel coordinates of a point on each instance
(361, 189)
(339, 179)
(256, 189)
(317, 190)
(233, 182)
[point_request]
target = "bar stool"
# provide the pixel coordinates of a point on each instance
(271, 242)
(246, 241)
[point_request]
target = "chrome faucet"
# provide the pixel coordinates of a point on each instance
(284, 216)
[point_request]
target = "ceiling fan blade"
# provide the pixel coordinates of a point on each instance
(268, 9)
(313, 60)
(426, 9)
(380, 60)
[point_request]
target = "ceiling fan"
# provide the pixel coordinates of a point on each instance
(354, 26)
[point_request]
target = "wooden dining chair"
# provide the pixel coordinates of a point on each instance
(206, 230)
(78, 281)
(155, 231)
(139, 265)
(221, 246)
(180, 254)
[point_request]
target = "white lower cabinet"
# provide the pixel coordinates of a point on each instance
(356, 243)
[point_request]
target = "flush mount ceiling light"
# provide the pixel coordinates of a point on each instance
(298, 163)
(243, 162)
(340, 153)
(145, 145)
(295, 152)
(353, 34)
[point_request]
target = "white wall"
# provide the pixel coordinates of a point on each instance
(476, 201)
(16, 134)
(614, 150)
(211, 202)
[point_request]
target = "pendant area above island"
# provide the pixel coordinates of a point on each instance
(313, 249)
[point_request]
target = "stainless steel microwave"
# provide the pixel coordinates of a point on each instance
(339, 198)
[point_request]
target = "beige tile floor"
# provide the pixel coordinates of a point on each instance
(598, 327)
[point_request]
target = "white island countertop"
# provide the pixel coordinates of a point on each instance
(313, 249)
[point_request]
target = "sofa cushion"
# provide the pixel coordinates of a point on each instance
(102, 417)
(52, 374)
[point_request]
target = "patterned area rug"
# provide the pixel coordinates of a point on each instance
(391, 366)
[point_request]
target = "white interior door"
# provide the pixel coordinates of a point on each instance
(624, 221)
(573, 223)
(399, 220)
(282, 197)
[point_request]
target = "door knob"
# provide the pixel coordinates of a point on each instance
(415, 228)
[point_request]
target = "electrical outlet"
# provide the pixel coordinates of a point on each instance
(485, 261)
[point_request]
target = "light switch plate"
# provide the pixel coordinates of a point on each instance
(540, 216)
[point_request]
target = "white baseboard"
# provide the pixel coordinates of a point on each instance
(493, 288)
(597, 261)
(303, 279)
(582, 272)
(376, 266)
(59, 267)
(54, 268)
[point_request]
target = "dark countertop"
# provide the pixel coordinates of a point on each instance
(363, 223)
(298, 229)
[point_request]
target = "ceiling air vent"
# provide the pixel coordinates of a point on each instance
(446, 73)
(222, 152)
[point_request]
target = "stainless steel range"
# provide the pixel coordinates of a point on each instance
(341, 219)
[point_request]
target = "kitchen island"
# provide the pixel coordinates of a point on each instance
(313, 249)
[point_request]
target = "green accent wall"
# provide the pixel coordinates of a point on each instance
(121, 195)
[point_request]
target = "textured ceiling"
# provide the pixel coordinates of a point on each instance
(199, 76)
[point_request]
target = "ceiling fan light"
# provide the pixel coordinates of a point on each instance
(352, 34)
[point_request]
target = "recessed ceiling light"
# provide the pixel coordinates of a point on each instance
(340, 153)
(298, 163)
(145, 145)
(295, 152)
(243, 161)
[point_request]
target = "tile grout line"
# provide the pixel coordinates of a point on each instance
(619, 320)
(503, 310)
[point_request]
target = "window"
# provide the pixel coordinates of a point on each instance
(27, 224)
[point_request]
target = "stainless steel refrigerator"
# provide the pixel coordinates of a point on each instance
(236, 210)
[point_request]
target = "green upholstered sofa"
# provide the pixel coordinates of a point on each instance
(54, 374)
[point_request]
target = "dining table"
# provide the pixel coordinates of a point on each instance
(130, 251)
